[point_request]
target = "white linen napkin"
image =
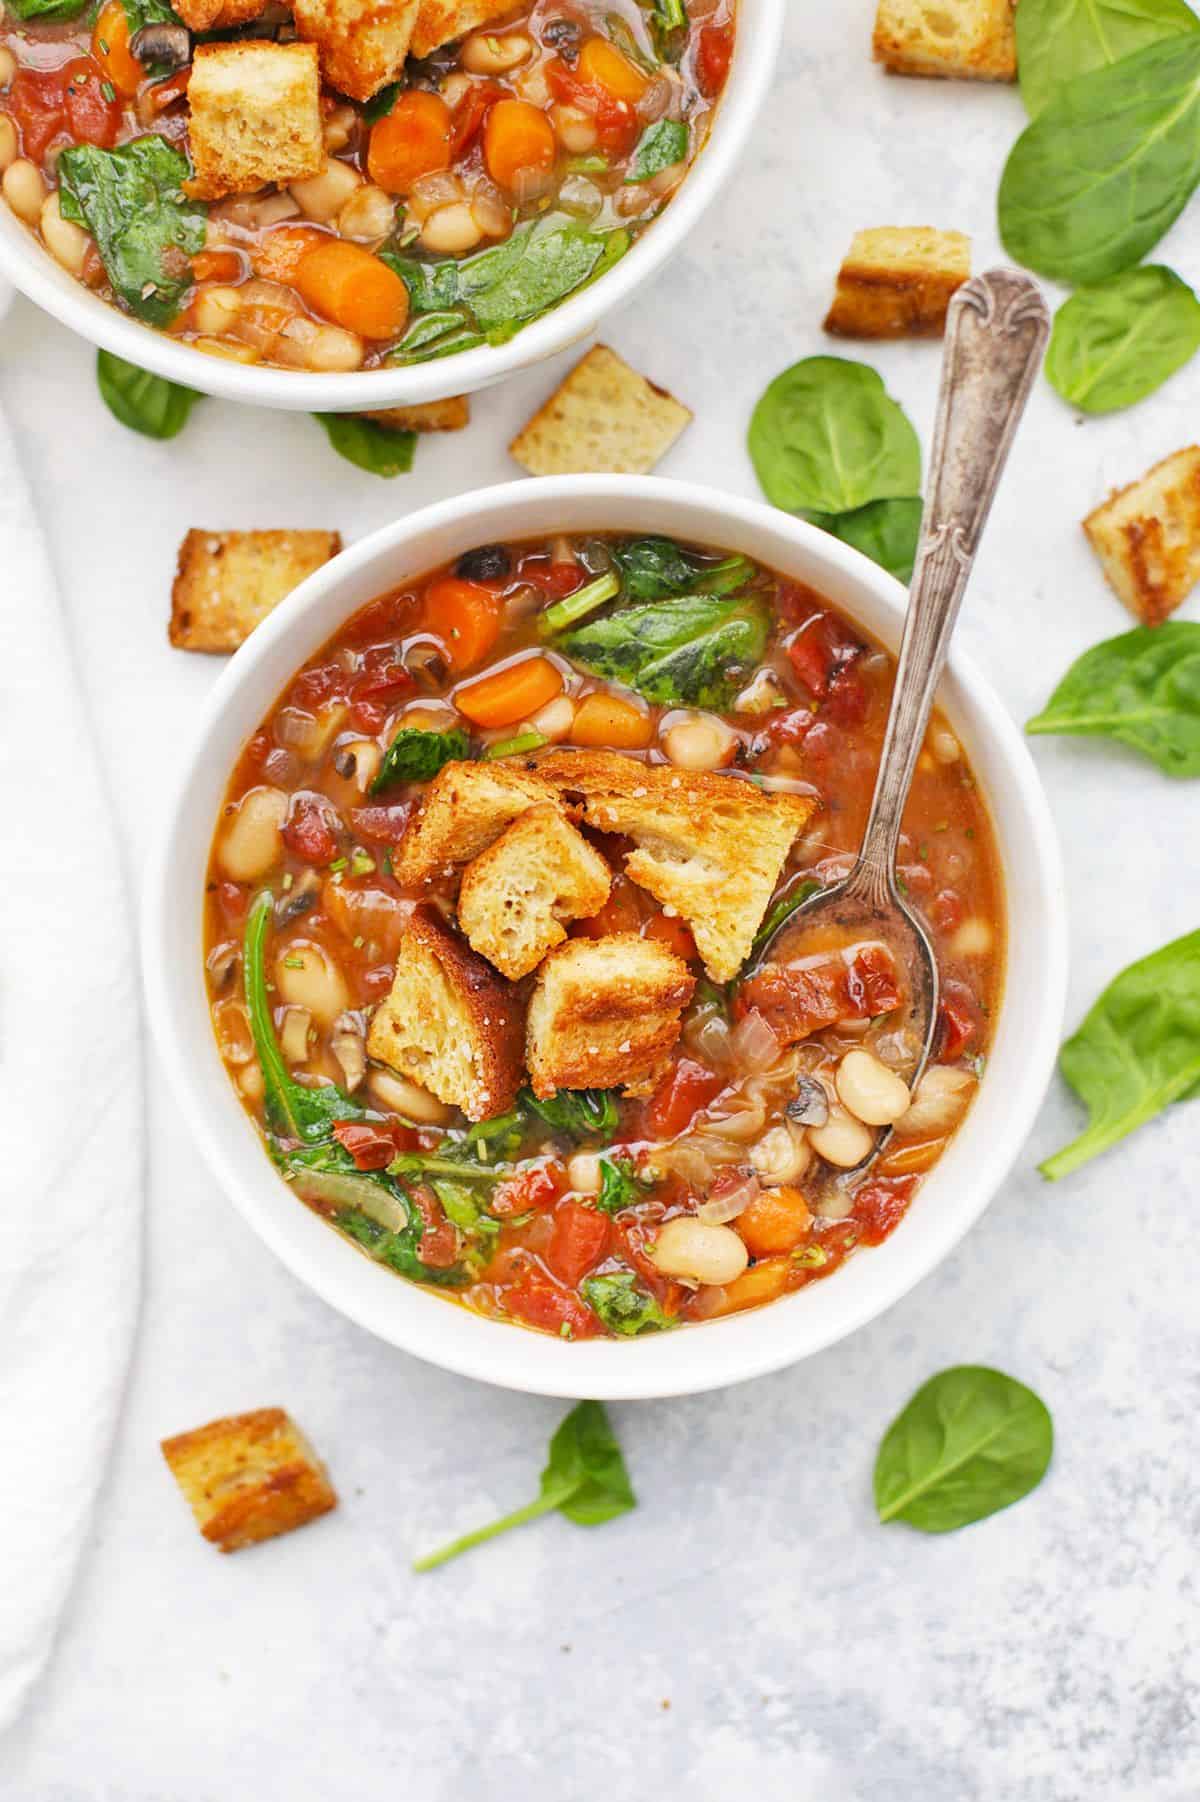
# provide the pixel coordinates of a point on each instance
(70, 1077)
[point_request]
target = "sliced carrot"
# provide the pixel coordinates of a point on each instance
(165, 93)
(217, 266)
(602, 65)
(517, 137)
(345, 283)
(777, 1220)
(762, 1283)
(669, 930)
(510, 694)
(605, 720)
(465, 616)
(411, 141)
(277, 254)
(110, 47)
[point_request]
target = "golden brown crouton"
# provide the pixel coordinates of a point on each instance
(450, 1023)
(1147, 537)
(516, 894)
(227, 582)
(973, 40)
(363, 43)
(255, 117)
(449, 415)
(441, 21)
(711, 847)
(898, 281)
(249, 1477)
(218, 15)
(604, 1012)
(603, 418)
(464, 810)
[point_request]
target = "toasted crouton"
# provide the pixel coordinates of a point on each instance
(516, 895)
(604, 418)
(218, 15)
(449, 415)
(441, 21)
(227, 582)
(449, 1023)
(897, 282)
(255, 117)
(363, 43)
(604, 1012)
(711, 847)
(249, 1477)
(1147, 536)
(464, 810)
(973, 40)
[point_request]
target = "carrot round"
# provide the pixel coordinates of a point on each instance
(411, 141)
(602, 65)
(775, 1221)
(277, 255)
(669, 930)
(110, 47)
(516, 137)
(465, 616)
(605, 720)
(345, 283)
(510, 694)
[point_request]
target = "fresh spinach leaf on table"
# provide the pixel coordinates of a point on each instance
(660, 147)
(415, 755)
(970, 1442)
(146, 403)
(146, 230)
(1142, 689)
(1118, 341)
(1137, 1051)
(368, 445)
(1059, 39)
(585, 1479)
(695, 650)
(826, 437)
(625, 1307)
(887, 532)
(1096, 180)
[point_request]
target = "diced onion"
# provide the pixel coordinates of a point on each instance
(755, 1047)
(718, 1210)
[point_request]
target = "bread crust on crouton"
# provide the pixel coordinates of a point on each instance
(602, 418)
(249, 1477)
(967, 40)
(449, 415)
(604, 1012)
(227, 582)
(464, 810)
(441, 21)
(255, 117)
(363, 44)
(1147, 537)
(218, 15)
(450, 1023)
(897, 282)
(711, 847)
(516, 895)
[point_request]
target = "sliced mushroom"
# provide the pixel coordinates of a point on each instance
(349, 1048)
(166, 47)
(301, 898)
(221, 963)
(811, 1104)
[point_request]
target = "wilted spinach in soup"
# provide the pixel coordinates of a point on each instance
(485, 919)
(323, 187)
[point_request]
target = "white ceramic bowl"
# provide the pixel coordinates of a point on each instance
(36, 274)
(715, 1353)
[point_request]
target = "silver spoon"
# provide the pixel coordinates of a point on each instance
(996, 331)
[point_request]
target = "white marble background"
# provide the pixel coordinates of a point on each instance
(750, 1629)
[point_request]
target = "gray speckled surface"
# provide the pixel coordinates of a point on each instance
(1048, 1654)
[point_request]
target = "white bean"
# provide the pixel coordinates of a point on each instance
(251, 842)
(66, 241)
(782, 1155)
(334, 350)
(338, 126)
(215, 309)
(486, 54)
(555, 719)
(842, 1140)
(974, 938)
(584, 1174)
(322, 197)
(8, 65)
(871, 1091)
(250, 1082)
(701, 742)
(307, 977)
(368, 215)
(939, 1102)
(944, 745)
(762, 695)
(8, 142)
(293, 1034)
(454, 86)
(699, 1253)
(451, 231)
(574, 129)
(396, 1095)
(24, 189)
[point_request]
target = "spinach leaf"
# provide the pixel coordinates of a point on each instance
(576, 1113)
(369, 1208)
(1059, 39)
(415, 755)
(783, 910)
(1142, 689)
(131, 200)
(46, 12)
(660, 147)
(577, 606)
(694, 651)
(145, 403)
(368, 445)
(887, 532)
(1095, 181)
(624, 1306)
(826, 437)
(619, 1185)
(970, 1442)
(292, 1110)
(381, 104)
(585, 1479)
(1137, 1051)
(433, 335)
(654, 568)
(1117, 342)
(668, 21)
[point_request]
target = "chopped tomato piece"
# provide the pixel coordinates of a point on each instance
(871, 984)
(820, 651)
(529, 1191)
(790, 728)
(880, 1206)
(578, 1242)
(556, 580)
(92, 117)
(670, 930)
(313, 687)
(470, 113)
(374, 1143)
(374, 693)
(684, 1090)
(797, 1000)
(232, 897)
(849, 700)
(439, 1241)
(385, 824)
(617, 121)
(714, 53)
(957, 1019)
(947, 910)
(312, 828)
(37, 101)
(553, 1310)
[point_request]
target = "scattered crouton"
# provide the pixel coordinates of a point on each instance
(226, 583)
(249, 1477)
(898, 281)
(464, 810)
(441, 21)
(711, 847)
(973, 40)
(363, 43)
(604, 418)
(516, 895)
(449, 415)
(450, 1023)
(255, 117)
(218, 15)
(604, 1012)
(1147, 536)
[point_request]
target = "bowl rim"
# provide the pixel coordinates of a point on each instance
(31, 269)
(735, 1348)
